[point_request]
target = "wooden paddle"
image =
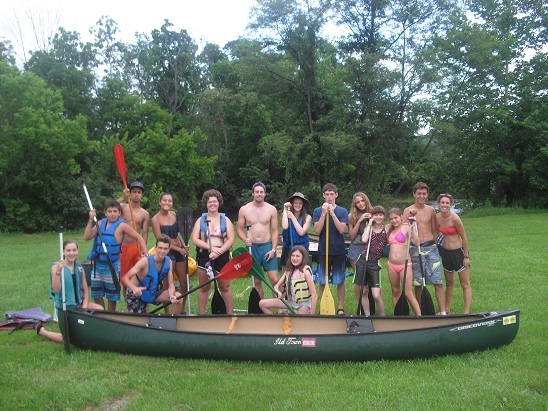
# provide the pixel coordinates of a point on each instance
(113, 273)
(184, 222)
(327, 304)
(218, 305)
(233, 269)
(66, 337)
(402, 305)
(254, 296)
(257, 271)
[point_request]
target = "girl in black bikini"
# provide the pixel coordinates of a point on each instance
(165, 222)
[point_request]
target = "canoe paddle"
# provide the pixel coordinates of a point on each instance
(257, 271)
(360, 310)
(426, 303)
(66, 337)
(254, 296)
(402, 305)
(184, 221)
(115, 278)
(235, 268)
(327, 304)
(217, 303)
(121, 164)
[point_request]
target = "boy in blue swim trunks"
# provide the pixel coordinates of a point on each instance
(113, 229)
(338, 218)
(262, 220)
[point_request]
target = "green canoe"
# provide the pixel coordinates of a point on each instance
(289, 338)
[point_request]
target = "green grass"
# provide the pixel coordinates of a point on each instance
(508, 271)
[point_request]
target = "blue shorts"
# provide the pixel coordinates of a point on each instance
(354, 251)
(431, 264)
(101, 281)
(259, 253)
(337, 265)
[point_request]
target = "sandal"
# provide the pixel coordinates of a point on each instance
(340, 311)
(38, 327)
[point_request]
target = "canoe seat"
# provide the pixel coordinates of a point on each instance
(359, 326)
(165, 323)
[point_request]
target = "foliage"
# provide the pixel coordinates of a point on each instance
(40, 151)
(449, 92)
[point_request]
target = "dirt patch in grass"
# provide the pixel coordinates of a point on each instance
(115, 404)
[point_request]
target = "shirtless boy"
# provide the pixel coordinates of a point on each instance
(263, 233)
(426, 224)
(140, 222)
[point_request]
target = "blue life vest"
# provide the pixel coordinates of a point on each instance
(203, 227)
(72, 300)
(153, 279)
(290, 233)
(113, 248)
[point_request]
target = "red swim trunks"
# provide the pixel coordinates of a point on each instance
(129, 257)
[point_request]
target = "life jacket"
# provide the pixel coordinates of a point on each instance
(113, 247)
(203, 227)
(74, 290)
(297, 290)
(153, 279)
(291, 233)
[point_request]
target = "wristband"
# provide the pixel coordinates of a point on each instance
(171, 295)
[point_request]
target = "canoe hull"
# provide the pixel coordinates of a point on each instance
(357, 339)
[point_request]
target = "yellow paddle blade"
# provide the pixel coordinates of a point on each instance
(327, 303)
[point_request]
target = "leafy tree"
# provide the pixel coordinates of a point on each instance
(40, 149)
(68, 66)
(483, 103)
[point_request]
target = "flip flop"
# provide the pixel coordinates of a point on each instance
(340, 311)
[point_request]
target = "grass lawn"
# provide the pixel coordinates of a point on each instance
(508, 271)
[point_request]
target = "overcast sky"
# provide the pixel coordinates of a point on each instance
(214, 21)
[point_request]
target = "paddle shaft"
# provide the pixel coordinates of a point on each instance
(66, 338)
(327, 304)
(426, 304)
(121, 164)
(216, 293)
(261, 276)
(185, 219)
(403, 300)
(360, 302)
(230, 270)
(115, 279)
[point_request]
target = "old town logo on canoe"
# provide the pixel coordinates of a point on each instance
(511, 319)
(303, 342)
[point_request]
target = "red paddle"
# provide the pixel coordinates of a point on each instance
(233, 269)
(121, 163)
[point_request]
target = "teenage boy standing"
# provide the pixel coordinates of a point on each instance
(338, 218)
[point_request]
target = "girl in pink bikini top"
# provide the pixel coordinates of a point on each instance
(396, 238)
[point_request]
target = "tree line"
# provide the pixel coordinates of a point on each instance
(449, 92)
